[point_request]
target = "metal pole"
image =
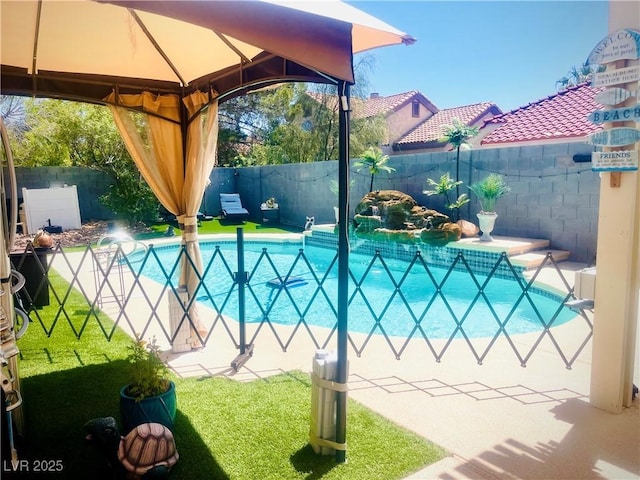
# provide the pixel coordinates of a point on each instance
(343, 264)
(240, 279)
(246, 351)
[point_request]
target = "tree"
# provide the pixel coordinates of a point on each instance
(293, 123)
(457, 135)
(60, 133)
(375, 162)
(12, 111)
(576, 75)
(237, 123)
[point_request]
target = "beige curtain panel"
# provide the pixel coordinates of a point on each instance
(177, 178)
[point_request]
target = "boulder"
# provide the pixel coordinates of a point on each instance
(390, 215)
(468, 229)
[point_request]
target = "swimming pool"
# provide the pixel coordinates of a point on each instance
(384, 295)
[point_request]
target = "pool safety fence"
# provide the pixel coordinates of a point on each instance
(239, 307)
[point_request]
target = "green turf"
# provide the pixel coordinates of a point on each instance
(222, 226)
(224, 429)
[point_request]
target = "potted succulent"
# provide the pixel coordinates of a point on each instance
(270, 203)
(150, 395)
(488, 190)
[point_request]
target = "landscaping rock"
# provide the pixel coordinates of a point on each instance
(90, 233)
(390, 215)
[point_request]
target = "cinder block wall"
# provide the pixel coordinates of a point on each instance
(551, 197)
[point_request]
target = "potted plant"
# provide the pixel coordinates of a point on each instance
(488, 190)
(150, 395)
(270, 203)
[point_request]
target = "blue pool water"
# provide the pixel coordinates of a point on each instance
(393, 300)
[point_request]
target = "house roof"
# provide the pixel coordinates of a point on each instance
(375, 105)
(558, 116)
(431, 129)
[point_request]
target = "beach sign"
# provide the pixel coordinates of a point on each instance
(615, 115)
(621, 45)
(615, 77)
(615, 137)
(615, 95)
(618, 161)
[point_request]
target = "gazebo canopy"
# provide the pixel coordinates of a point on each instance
(85, 50)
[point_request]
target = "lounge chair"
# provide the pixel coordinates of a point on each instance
(231, 207)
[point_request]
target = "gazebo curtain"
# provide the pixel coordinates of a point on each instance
(178, 179)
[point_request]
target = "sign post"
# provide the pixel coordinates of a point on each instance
(617, 289)
(616, 77)
(618, 161)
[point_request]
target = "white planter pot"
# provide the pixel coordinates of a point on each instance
(487, 221)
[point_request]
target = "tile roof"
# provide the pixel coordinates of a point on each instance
(369, 107)
(431, 129)
(558, 116)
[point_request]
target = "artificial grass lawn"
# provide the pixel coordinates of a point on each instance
(216, 225)
(224, 429)
(222, 226)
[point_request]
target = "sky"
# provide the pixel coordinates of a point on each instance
(507, 52)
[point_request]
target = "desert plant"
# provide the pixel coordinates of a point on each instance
(149, 375)
(488, 190)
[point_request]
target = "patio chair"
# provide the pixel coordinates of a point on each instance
(231, 207)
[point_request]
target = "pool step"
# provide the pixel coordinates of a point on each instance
(534, 259)
(512, 246)
(524, 253)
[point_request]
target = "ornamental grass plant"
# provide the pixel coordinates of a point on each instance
(488, 190)
(148, 373)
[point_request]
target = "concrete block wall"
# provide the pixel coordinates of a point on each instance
(551, 197)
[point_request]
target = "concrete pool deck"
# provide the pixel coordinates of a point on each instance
(497, 420)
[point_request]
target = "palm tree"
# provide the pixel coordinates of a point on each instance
(457, 134)
(375, 161)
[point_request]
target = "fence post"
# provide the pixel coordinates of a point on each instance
(343, 271)
(241, 279)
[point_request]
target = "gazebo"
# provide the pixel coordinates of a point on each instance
(174, 61)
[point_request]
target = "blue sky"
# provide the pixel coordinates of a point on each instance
(507, 52)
